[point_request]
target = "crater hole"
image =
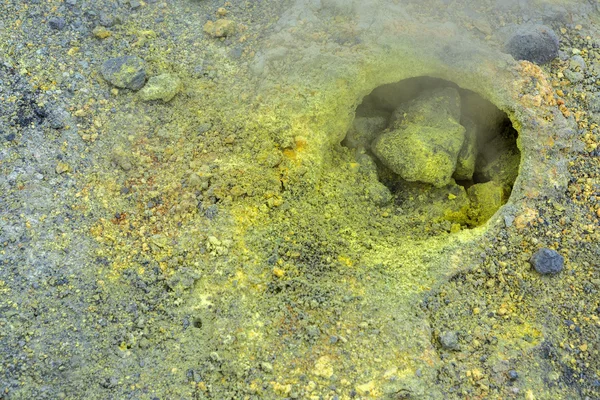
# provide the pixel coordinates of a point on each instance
(439, 153)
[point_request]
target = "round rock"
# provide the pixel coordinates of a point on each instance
(547, 261)
(128, 72)
(536, 43)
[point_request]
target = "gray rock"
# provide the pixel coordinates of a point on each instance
(547, 261)
(577, 62)
(364, 130)
(106, 20)
(593, 102)
(573, 76)
(57, 23)
(449, 340)
(58, 118)
(128, 72)
(535, 43)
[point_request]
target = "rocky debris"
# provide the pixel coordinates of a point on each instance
(162, 87)
(438, 138)
(101, 32)
(121, 159)
(486, 198)
(536, 43)
(58, 118)
(57, 23)
(425, 138)
(128, 72)
(364, 130)
(449, 341)
(465, 164)
(449, 203)
(220, 28)
(547, 261)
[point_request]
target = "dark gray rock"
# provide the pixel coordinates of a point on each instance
(536, 43)
(127, 72)
(547, 261)
(449, 340)
(57, 23)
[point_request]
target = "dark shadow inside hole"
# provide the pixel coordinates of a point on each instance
(442, 151)
(197, 323)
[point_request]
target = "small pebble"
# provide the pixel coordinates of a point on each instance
(449, 340)
(547, 261)
(57, 23)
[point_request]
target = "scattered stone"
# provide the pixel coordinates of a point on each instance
(121, 159)
(101, 32)
(535, 43)
(449, 340)
(106, 20)
(162, 87)
(57, 118)
(364, 130)
(211, 211)
(128, 72)
(57, 23)
(573, 76)
(62, 167)
(135, 4)
(266, 366)
(220, 28)
(448, 203)
(323, 367)
(378, 193)
(577, 62)
(547, 261)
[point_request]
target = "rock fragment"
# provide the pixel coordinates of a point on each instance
(425, 138)
(547, 261)
(127, 72)
(449, 340)
(162, 87)
(57, 23)
(220, 28)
